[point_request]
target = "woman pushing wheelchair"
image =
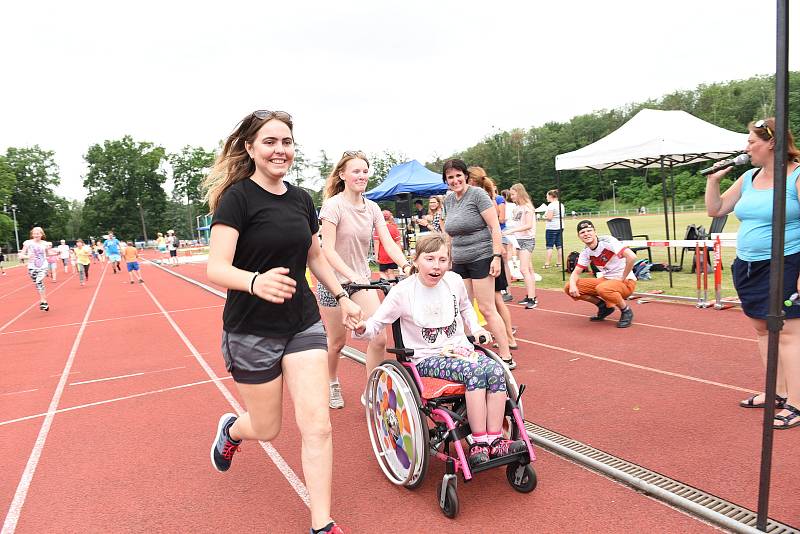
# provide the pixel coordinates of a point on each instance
(432, 306)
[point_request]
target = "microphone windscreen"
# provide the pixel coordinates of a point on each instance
(741, 159)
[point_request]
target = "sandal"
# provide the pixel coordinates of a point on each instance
(788, 421)
(780, 402)
(546, 266)
(510, 347)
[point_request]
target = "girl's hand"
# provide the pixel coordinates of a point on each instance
(482, 336)
(406, 269)
(360, 328)
(351, 314)
(274, 286)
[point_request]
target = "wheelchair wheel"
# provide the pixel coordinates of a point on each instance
(397, 429)
(450, 507)
(521, 477)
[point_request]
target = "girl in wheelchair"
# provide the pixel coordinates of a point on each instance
(433, 307)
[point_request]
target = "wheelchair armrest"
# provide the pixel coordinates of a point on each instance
(647, 237)
(406, 353)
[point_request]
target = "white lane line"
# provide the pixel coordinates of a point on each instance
(95, 321)
(277, 459)
(12, 292)
(12, 518)
(684, 330)
(32, 305)
(124, 376)
(18, 392)
(108, 401)
(637, 366)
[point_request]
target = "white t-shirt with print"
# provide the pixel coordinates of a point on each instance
(607, 257)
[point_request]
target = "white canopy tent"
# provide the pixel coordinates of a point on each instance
(654, 138)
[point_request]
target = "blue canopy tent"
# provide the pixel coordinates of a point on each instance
(410, 178)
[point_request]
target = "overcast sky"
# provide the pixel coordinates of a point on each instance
(424, 78)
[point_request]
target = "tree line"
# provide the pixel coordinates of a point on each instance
(125, 178)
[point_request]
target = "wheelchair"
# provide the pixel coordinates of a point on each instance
(412, 419)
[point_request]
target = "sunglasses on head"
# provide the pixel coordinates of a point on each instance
(762, 125)
(353, 154)
(265, 114)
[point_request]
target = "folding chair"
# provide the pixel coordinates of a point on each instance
(620, 228)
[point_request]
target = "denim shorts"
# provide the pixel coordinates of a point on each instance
(254, 359)
(553, 238)
(751, 279)
(526, 244)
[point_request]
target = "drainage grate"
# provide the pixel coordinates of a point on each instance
(689, 498)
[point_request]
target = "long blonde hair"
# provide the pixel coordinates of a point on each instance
(335, 184)
(482, 180)
(522, 195)
(234, 164)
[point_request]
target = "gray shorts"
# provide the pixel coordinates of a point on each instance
(254, 359)
(526, 244)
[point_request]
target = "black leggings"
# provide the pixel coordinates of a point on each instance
(83, 271)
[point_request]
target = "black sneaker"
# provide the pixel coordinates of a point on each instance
(44, 306)
(603, 311)
(510, 363)
(507, 297)
(524, 301)
(223, 447)
(532, 303)
(626, 319)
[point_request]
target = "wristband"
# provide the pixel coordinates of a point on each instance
(253, 281)
(339, 296)
(497, 255)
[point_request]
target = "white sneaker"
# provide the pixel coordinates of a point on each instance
(335, 399)
(537, 277)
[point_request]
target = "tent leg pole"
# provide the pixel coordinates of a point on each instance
(561, 222)
(666, 217)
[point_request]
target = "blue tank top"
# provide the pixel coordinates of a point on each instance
(754, 210)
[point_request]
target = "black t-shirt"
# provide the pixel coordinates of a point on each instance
(274, 231)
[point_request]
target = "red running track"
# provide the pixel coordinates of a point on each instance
(126, 449)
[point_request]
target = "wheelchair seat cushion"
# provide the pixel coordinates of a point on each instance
(436, 387)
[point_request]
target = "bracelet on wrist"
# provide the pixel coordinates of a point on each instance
(497, 256)
(340, 296)
(253, 281)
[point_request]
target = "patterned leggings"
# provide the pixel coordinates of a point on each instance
(484, 374)
(38, 276)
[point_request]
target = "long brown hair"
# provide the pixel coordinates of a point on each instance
(335, 184)
(482, 180)
(522, 195)
(234, 164)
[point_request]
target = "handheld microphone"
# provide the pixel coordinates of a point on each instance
(741, 159)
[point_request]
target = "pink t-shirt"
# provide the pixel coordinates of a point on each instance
(522, 213)
(355, 226)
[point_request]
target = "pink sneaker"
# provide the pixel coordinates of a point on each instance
(504, 447)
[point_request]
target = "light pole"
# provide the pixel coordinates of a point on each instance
(16, 231)
(141, 215)
(614, 194)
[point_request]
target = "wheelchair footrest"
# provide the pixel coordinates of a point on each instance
(521, 458)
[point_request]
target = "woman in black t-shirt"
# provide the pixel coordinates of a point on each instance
(264, 233)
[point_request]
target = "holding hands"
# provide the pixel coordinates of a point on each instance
(351, 314)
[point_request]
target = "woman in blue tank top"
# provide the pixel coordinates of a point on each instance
(750, 198)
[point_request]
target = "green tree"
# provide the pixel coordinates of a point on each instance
(33, 193)
(189, 167)
(125, 184)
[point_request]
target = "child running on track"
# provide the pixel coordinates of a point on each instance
(52, 261)
(263, 234)
(35, 251)
(348, 223)
(83, 258)
(2, 259)
(433, 306)
(132, 261)
(112, 252)
(63, 254)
